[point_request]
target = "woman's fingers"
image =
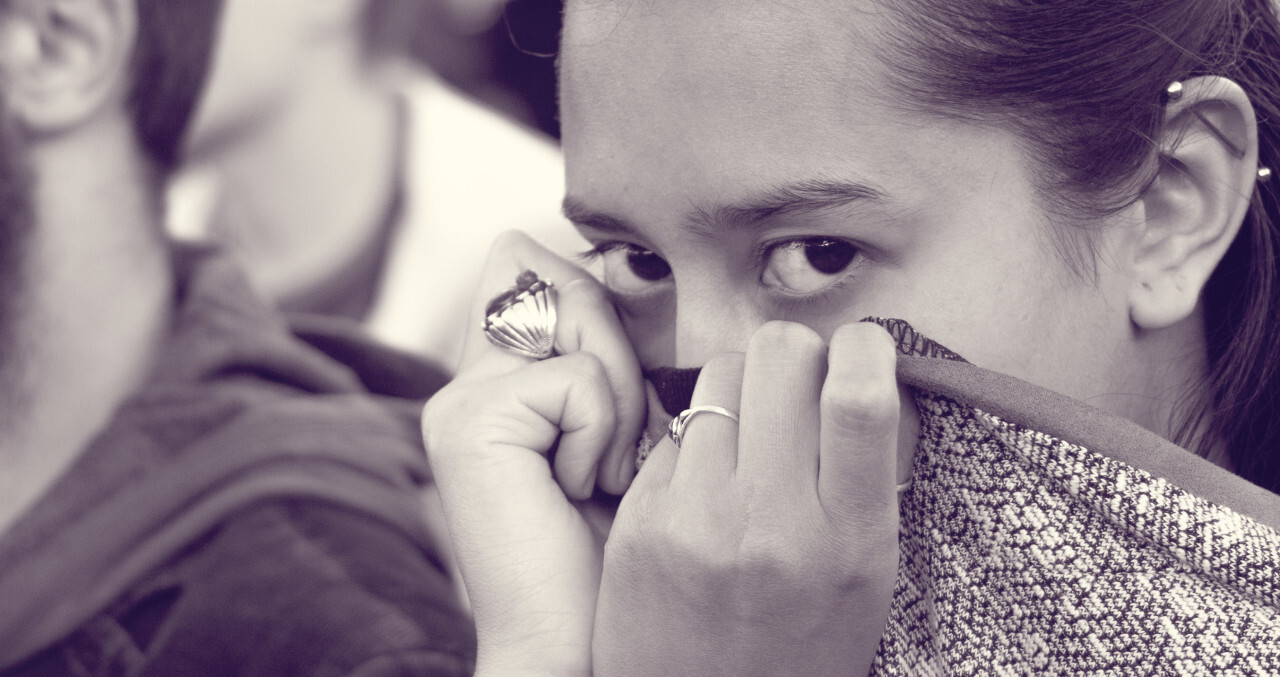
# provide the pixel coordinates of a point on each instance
(739, 556)
(524, 413)
(709, 450)
(591, 325)
(586, 322)
(587, 417)
(529, 559)
(512, 253)
(781, 384)
(860, 409)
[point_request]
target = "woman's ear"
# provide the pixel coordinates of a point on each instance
(1192, 211)
(63, 61)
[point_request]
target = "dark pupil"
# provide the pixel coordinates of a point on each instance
(647, 265)
(829, 256)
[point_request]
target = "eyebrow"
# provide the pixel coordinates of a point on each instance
(803, 197)
(791, 199)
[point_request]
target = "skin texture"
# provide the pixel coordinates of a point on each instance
(958, 244)
(709, 146)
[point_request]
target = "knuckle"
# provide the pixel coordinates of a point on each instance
(864, 344)
(448, 423)
(583, 291)
(724, 366)
(869, 558)
(790, 339)
(864, 402)
(777, 560)
(804, 558)
(705, 551)
(509, 240)
(436, 413)
(863, 348)
(867, 336)
(588, 375)
(583, 366)
(861, 387)
(630, 534)
(650, 528)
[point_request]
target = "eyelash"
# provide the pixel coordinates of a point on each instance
(627, 304)
(798, 302)
(789, 303)
(597, 251)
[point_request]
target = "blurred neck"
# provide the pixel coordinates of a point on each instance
(307, 187)
(96, 303)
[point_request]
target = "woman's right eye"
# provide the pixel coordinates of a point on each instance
(630, 269)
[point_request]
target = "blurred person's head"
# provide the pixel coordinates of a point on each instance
(1010, 178)
(269, 54)
(95, 96)
(473, 16)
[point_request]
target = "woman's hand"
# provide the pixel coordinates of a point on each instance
(768, 547)
(523, 535)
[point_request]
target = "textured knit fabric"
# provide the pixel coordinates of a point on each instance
(1025, 553)
(251, 510)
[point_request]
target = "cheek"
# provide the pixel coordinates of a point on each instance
(651, 329)
(994, 300)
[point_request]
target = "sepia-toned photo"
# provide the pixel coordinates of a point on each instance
(637, 338)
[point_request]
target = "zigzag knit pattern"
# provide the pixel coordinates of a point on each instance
(1023, 554)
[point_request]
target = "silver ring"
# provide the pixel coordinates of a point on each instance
(522, 319)
(675, 429)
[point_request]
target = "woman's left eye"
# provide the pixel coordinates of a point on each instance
(807, 265)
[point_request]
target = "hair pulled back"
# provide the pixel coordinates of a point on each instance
(1082, 82)
(171, 62)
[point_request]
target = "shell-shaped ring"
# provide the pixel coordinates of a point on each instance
(675, 429)
(522, 319)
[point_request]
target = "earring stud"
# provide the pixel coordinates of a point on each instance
(1264, 174)
(1174, 91)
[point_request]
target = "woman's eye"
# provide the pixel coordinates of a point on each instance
(808, 265)
(629, 269)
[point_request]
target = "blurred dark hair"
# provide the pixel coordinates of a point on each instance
(389, 26)
(1082, 82)
(17, 223)
(171, 63)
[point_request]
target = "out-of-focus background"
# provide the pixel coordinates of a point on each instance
(358, 157)
(499, 52)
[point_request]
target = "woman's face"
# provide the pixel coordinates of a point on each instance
(740, 162)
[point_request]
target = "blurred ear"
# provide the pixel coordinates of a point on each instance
(1197, 202)
(64, 61)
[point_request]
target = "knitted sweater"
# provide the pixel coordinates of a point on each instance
(1041, 536)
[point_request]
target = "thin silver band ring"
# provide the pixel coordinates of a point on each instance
(676, 429)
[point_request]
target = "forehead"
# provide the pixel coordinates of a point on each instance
(690, 87)
(682, 41)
